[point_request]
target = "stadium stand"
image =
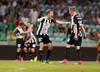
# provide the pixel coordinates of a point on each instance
(88, 9)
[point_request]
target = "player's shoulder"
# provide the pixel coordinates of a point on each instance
(78, 16)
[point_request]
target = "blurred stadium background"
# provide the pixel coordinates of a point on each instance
(13, 11)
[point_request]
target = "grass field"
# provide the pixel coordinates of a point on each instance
(27, 66)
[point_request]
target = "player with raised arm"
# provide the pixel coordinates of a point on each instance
(30, 43)
(76, 35)
(19, 41)
(42, 35)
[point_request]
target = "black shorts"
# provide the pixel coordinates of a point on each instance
(72, 41)
(19, 43)
(43, 38)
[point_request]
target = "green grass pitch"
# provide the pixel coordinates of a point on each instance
(27, 66)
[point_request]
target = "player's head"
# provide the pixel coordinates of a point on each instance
(72, 10)
(21, 24)
(29, 24)
(49, 13)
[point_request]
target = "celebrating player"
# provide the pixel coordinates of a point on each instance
(98, 50)
(30, 43)
(42, 35)
(19, 42)
(76, 35)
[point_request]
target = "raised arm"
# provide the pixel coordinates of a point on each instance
(61, 22)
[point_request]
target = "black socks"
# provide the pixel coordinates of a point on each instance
(41, 54)
(48, 54)
(79, 54)
(17, 55)
(67, 53)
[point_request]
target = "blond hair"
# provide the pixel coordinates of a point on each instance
(72, 8)
(21, 23)
(48, 11)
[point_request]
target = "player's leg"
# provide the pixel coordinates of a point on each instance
(79, 54)
(66, 54)
(98, 57)
(41, 51)
(19, 45)
(17, 54)
(25, 51)
(34, 54)
(50, 48)
(30, 54)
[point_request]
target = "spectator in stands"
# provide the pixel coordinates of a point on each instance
(55, 28)
(61, 29)
(18, 21)
(90, 20)
(33, 2)
(25, 19)
(98, 18)
(95, 19)
(11, 38)
(87, 33)
(11, 10)
(20, 2)
(33, 15)
(10, 25)
(28, 3)
(81, 13)
(69, 2)
(17, 11)
(14, 3)
(2, 11)
(60, 13)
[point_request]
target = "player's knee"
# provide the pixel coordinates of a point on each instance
(25, 50)
(67, 46)
(19, 49)
(41, 46)
(77, 47)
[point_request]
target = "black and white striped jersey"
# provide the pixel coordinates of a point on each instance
(19, 31)
(76, 20)
(29, 34)
(44, 25)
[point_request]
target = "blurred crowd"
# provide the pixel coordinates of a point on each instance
(14, 11)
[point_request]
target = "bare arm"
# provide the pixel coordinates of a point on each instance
(29, 39)
(84, 32)
(61, 22)
(75, 29)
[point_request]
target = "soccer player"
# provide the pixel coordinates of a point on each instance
(30, 43)
(19, 41)
(98, 50)
(42, 35)
(76, 35)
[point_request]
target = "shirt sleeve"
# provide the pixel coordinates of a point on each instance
(53, 20)
(31, 34)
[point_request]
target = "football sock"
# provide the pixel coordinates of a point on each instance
(79, 54)
(17, 55)
(34, 53)
(41, 54)
(22, 53)
(48, 54)
(67, 53)
(25, 54)
(30, 54)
